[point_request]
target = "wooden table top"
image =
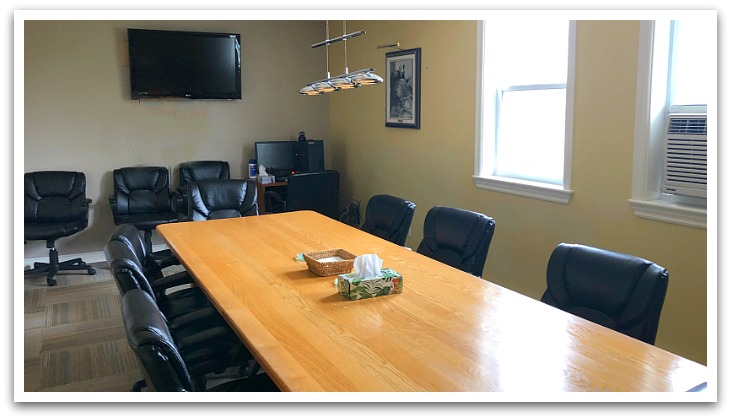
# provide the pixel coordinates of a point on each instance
(447, 331)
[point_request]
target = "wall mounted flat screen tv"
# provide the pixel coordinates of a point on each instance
(195, 65)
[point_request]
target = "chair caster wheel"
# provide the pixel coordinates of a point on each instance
(137, 386)
(91, 271)
(51, 281)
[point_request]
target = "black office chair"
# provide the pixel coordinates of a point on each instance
(165, 368)
(619, 291)
(142, 197)
(55, 207)
(459, 238)
(153, 268)
(317, 191)
(129, 274)
(221, 199)
(196, 171)
(187, 311)
(389, 217)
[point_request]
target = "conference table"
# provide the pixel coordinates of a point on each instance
(447, 331)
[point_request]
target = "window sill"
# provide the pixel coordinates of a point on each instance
(671, 213)
(541, 191)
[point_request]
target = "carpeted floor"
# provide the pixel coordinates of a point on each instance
(74, 337)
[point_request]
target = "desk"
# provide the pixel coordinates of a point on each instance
(447, 331)
(261, 189)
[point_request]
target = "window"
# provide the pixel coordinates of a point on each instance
(675, 90)
(525, 109)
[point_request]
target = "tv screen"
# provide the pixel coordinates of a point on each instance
(276, 156)
(195, 65)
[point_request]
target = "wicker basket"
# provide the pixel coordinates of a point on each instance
(329, 268)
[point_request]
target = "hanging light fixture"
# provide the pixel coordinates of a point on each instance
(346, 80)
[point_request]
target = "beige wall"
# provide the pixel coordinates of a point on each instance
(79, 115)
(433, 165)
(76, 93)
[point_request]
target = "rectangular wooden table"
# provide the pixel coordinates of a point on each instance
(447, 331)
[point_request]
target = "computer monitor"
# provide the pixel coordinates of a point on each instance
(278, 157)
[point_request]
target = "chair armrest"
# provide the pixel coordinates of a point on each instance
(113, 205)
(204, 338)
(197, 320)
(176, 202)
(177, 279)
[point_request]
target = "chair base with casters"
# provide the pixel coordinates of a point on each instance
(52, 267)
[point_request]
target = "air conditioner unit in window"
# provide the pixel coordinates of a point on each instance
(684, 166)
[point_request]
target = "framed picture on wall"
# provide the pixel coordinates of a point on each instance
(403, 88)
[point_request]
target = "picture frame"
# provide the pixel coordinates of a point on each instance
(403, 88)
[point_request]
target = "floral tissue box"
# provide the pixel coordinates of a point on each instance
(388, 283)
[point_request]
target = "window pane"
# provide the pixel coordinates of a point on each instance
(531, 135)
(692, 83)
(527, 53)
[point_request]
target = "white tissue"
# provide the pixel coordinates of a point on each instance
(367, 265)
(263, 171)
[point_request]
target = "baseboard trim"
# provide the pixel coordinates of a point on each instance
(87, 257)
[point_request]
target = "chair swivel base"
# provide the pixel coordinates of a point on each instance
(52, 268)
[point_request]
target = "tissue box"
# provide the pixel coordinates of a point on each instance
(388, 283)
(266, 179)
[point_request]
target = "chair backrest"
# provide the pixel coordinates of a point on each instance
(620, 291)
(195, 171)
(56, 197)
(126, 269)
(221, 198)
(130, 235)
(142, 190)
(316, 191)
(149, 338)
(389, 217)
(459, 238)
(200, 170)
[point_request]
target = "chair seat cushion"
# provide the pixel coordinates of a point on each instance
(182, 302)
(223, 214)
(44, 231)
(147, 221)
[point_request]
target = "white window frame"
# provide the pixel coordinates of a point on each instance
(647, 200)
(539, 190)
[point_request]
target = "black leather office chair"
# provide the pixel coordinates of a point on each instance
(459, 238)
(55, 207)
(130, 236)
(619, 291)
(129, 274)
(142, 197)
(389, 217)
(165, 368)
(196, 171)
(221, 199)
(187, 311)
(317, 191)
